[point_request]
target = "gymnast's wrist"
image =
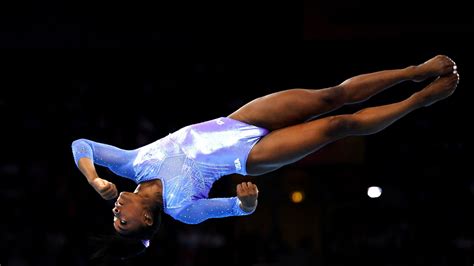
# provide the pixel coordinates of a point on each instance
(248, 209)
(91, 179)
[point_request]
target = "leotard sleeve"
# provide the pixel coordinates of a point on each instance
(202, 209)
(117, 160)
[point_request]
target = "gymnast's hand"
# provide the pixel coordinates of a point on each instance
(247, 194)
(105, 188)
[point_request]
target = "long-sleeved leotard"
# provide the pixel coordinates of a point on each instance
(187, 162)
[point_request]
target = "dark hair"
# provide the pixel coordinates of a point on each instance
(116, 248)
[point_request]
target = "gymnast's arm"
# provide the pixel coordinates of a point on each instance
(200, 210)
(87, 153)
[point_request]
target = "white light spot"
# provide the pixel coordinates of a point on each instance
(374, 192)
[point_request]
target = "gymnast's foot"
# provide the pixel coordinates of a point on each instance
(439, 89)
(439, 65)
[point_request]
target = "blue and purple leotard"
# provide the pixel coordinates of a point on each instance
(187, 162)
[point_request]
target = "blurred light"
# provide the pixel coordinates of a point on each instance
(297, 196)
(374, 192)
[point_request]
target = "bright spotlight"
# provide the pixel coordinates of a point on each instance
(374, 192)
(297, 196)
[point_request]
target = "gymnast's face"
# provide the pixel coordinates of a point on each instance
(128, 213)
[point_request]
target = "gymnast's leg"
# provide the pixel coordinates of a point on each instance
(291, 107)
(290, 144)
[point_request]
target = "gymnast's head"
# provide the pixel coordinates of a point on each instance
(136, 216)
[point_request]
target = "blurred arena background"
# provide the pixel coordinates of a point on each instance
(151, 68)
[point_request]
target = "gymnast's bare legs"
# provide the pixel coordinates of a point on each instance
(296, 132)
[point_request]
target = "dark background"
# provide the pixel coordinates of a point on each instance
(146, 69)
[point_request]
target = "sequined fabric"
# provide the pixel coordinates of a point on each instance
(187, 162)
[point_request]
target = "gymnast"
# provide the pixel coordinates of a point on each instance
(175, 173)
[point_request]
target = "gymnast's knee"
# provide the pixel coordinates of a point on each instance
(341, 126)
(335, 96)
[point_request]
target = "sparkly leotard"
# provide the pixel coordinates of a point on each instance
(187, 162)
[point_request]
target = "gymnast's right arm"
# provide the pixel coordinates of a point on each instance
(87, 153)
(105, 188)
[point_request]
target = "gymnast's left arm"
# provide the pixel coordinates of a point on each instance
(202, 209)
